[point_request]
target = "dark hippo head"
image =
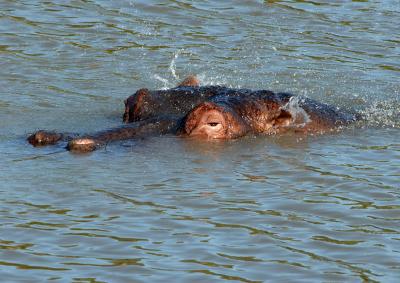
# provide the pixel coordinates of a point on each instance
(212, 121)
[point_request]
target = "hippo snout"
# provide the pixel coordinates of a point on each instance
(44, 138)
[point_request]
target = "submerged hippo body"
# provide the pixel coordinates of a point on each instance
(210, 112)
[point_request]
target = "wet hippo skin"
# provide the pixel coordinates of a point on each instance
(145, 104)
(260, 112)
(44, 138)
(207, 112)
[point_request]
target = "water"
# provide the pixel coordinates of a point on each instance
(289, 209)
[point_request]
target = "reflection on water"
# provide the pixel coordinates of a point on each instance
(291, 208)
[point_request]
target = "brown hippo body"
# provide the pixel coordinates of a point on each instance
(235, 113)
(210, 112)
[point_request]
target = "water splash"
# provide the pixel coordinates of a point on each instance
(206, 79)
(165, 82)
(382, 114)
(172, 65)
(209, 77)
(300, 116)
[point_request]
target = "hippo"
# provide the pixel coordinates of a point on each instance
(208, 112)
(157, 108)
(146, 104)
(260, 112)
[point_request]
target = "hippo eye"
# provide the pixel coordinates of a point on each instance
(213, 124)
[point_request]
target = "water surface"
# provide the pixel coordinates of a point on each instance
(289, 209)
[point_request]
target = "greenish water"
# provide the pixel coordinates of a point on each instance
(258, 209)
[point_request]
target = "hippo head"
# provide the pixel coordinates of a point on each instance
(212, 121)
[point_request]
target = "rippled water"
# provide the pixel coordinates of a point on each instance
(289, 209)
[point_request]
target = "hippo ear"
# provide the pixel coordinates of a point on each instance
(283, 119)
(133, 104)
(190, 81)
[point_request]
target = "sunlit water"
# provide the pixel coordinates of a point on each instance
(289, 209)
